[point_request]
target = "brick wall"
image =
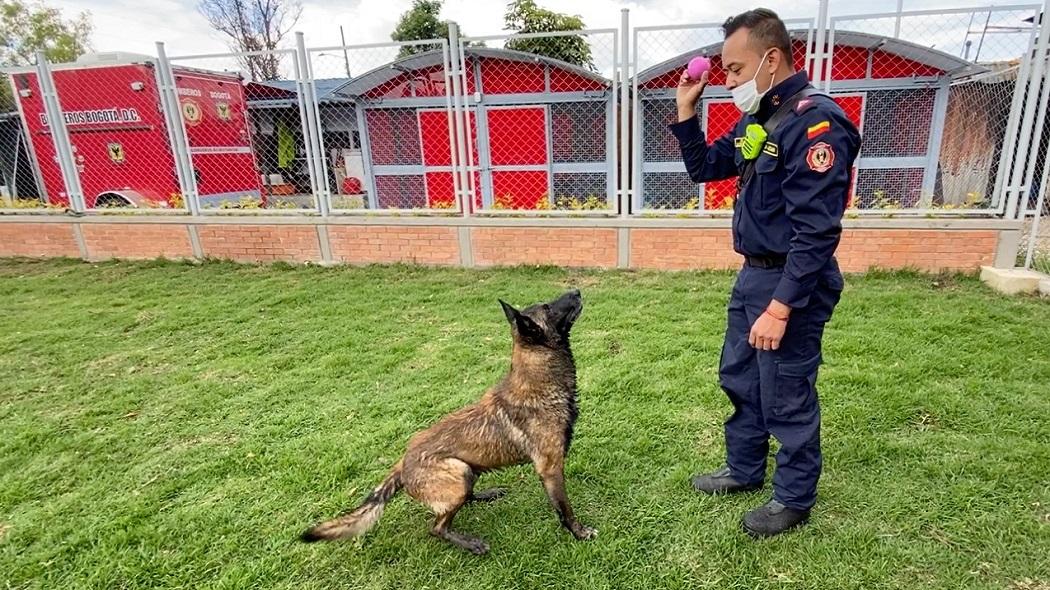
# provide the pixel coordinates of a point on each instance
(580, 247)
(260, 243)
(138, 240)
(929, 250)
(38, 240)
(915, 244)
(682, 249)
(359, 244)
(860, 249)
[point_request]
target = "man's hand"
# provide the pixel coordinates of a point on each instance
(768, 330)
(687, 93)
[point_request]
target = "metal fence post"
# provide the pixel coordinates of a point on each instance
(169, 102)
(1002, 193)
(1014, 208)
(60, 135)
(822, 29)
(1033, 236)
(314, 143)
(625, 97)
(1041, 113)
(459, 102)
(450, 114)
(306, 104)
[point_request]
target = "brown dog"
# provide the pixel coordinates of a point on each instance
(527, 418)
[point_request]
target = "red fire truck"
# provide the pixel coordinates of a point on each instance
(111, 105)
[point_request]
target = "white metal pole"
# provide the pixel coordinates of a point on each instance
(897, 23)
(637, 180)
(176, 132)
(60, 135)
(450, 114)
(302, 57)
(1017, 188)
(459, 101)
(1039, 204)
(314, 143)
(470, 186)
(822, 30)
(1001, 194)
(1040, 122)
(304, 124)
(625, 119)
(346, 56)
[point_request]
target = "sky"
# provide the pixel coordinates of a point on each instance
(135, 25)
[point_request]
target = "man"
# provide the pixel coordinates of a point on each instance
(792, 191)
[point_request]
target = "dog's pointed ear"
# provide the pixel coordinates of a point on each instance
(509, 311)
(528, 330)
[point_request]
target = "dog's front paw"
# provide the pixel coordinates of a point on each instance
(584, 533)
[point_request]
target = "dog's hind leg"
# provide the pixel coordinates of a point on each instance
(445, 486)
(441, 530)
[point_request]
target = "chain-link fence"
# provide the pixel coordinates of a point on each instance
(387, 126)
(939, 92)
(950, 104)
(1035, 243)
(114, 139)
(542, 121)
(661, 183)
(20, 187)
(42, 143)
(243, 117)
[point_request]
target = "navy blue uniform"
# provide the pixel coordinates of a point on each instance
(787, 223)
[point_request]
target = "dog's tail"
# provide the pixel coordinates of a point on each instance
(362, 518)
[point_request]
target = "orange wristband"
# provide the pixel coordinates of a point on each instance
(770, 314)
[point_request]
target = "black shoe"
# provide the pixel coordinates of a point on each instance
(721, 482)
(773, 518)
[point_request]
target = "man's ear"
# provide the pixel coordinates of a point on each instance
(509, 311)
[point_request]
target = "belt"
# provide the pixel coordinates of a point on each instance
(765, 261)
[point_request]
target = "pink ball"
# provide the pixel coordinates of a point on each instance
(697, 66)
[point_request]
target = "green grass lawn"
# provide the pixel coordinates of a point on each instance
(177, 426)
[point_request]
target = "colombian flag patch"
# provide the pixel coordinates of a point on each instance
(818, 129)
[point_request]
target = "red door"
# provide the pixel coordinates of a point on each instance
(518, 148)
(437, 158)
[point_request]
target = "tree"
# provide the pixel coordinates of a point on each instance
(254, 25)
(419, 23)
(27, 28)
(524, 16)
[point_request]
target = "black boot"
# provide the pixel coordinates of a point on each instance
(773, 518)
(721, 482)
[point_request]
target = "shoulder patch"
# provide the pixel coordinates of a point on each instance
(771, 149)
(819, 129)
(804, 105)
(821, 157)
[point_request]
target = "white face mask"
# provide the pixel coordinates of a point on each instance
(746, 96)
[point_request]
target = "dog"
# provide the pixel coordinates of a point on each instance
(528, 417)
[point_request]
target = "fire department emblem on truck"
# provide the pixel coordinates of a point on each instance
(116, 153)
(223, 109)
(191, 112)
